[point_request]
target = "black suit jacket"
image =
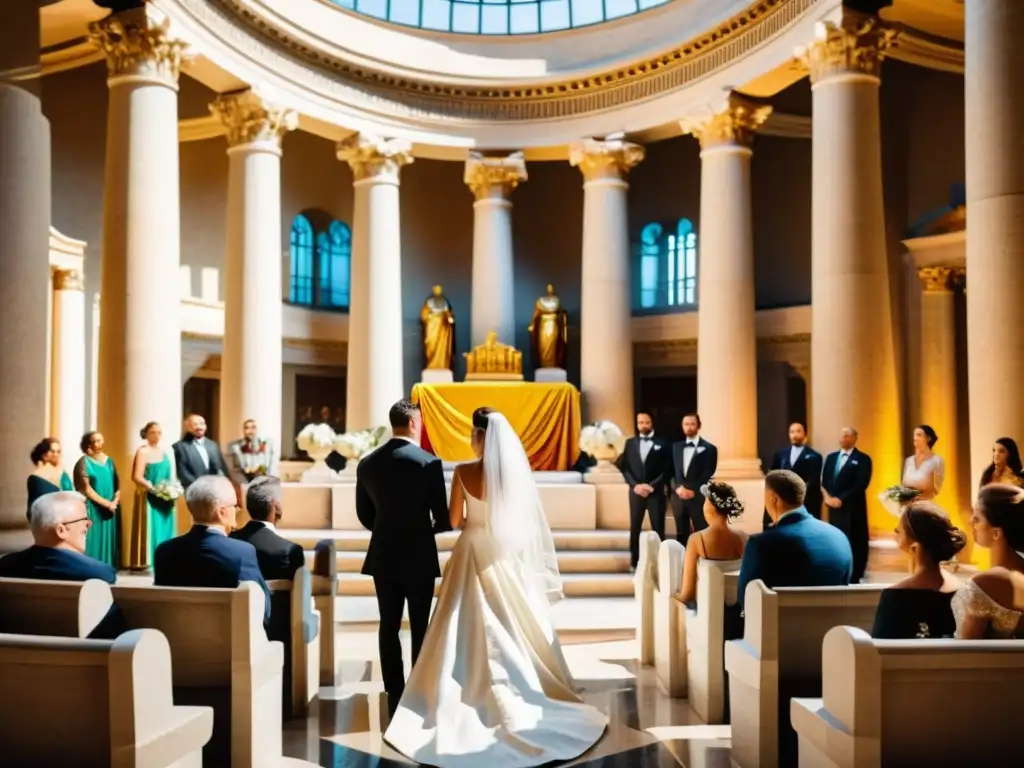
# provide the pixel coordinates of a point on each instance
(702, 465)
(278, 558)
(656, 471)
(401, 499)
(852, 483)
(808, 467)
(52, 564)
(190, 463)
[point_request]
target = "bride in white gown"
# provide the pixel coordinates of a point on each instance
(491, 687)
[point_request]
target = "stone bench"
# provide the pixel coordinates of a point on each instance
(296, 625)
(325, 593)
(645, 582)
(669, 622)
(779, 657)
(887, 702)
(221, 658)
(57, 608)
(95, 703)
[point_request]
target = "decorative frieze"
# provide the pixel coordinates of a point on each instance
(68, 280)
(941, 279)
(856, 44)
(490, 177)
(608, 159)
(731, 123)
(373, 157)
(249, 119)
(138, 43)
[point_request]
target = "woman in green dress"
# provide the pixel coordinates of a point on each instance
(96, 478)
(49, 476)
(152, 519)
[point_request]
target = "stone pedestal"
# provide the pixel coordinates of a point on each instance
(436, 376)
(549, 375)
(67, 408)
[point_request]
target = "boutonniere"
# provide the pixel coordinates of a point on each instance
(854, 462)
(656, 447)
(700, 449)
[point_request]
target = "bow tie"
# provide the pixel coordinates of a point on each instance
(691, 443)
(645, 438)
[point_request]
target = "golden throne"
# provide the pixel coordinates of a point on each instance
(494, 361)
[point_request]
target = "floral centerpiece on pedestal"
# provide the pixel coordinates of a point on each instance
(317, 440)
(355, 445)
(604, 441)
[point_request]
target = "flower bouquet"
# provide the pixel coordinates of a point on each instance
(251, 473)
(896, 497)
(168, 490)
(355, 445)
(317, 440)
(604, 441)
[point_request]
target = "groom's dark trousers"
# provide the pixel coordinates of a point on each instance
(401, 500)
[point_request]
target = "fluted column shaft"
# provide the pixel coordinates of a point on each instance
(994, 91)
(492, 181)
(851, 320)
(727, 348)
(606, 332)
(24, 254)
(67, 393)
(250, 383)
(375, 364)
(140, 327)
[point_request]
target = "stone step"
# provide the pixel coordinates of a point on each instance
(357, 541)
(569, 561)
(573, 584)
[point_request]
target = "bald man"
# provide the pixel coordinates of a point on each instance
(844, 484)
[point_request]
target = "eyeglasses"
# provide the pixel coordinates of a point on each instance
(77, 520)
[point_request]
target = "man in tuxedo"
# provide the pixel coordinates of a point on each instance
(805, 462)
(844, 481)
(694, 461)
(205, 556)
(646, 465)
(252, 456)
(401, 499)
(278, 557)
(196, 455)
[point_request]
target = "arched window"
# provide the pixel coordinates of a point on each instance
(300, 289)
(334, 259)
(667, 266)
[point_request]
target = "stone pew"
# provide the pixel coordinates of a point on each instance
(669, 623)
(296, 625)
(58, 608)
(325, 593)
(645, 582)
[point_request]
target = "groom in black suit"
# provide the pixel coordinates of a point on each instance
(694, 462)
(646, 464)
(197, 455)
(806, 462)
(845, 481)
(401, 499)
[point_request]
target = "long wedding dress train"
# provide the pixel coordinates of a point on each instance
(491, 688)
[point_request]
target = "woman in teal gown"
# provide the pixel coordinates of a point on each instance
(49, 476)
(152, 519)
(96, 478)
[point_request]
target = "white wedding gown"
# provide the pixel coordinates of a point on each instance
(491, 688)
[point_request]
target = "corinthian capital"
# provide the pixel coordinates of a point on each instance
(941, 279)
(250, 120)
(138, 43)
(733, 122)
(608, 159)
(373, 157)
(855, 43)
(494, 177)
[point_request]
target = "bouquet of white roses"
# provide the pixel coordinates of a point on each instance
(896, 497)
(314, 437)
(603, 440)
(355, 445)
(168, 490)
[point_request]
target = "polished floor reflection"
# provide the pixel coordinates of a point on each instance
(645, 727)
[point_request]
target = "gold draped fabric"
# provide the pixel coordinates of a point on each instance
(545, 416)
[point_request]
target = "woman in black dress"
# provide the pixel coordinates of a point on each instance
(919, 606)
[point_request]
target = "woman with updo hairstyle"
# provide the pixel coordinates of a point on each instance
(919, 606)
(49, 475)
(469, 478)
(96, 478)
(991, 604)
(716, 542)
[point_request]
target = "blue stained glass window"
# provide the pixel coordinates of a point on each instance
(334, 253)
(667, 267)
(300, 289)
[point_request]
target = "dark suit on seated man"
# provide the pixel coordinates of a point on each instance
(278, 557)
(205, 556)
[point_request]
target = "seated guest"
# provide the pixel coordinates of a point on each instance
(991, 604)
(919, 606)
(717, 541)
(798, 550)
(59, 524)
(205, 556)
(278, 557)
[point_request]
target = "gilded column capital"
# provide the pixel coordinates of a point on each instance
(251, 120)
(138, 43)
(373, 157)
(494, 177)
(941, 279)
(68, 280)
(608, 159)
(730, 123)
(854, 44)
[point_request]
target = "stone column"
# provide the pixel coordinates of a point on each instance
(994, 106)
(606, 313)
(803, 370)
(727, 347)
(374, 374)
(492, 180)
(140, 328)
(24, 253)
(250, 380)
(67, 392)
(852, 322)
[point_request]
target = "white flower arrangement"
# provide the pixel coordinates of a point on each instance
(603, 440)
(315, 438)
(355, 445)
(168, 490)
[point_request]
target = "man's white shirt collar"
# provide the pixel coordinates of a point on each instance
(267, 524)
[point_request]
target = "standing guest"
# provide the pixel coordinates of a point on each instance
(925, 471)
(844, 481)
(252, 456)
(152, 518)
(1006, 467)
(694, 461)
(278, 557)
(48, 476)
(919, 606)
(196, 455)
(646, 465)
(96, 479)
(799, 457)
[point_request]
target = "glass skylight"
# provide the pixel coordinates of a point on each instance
(498, 17)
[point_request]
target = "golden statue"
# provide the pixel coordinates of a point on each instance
(494, 361)
(438, 323)
(549, 331)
